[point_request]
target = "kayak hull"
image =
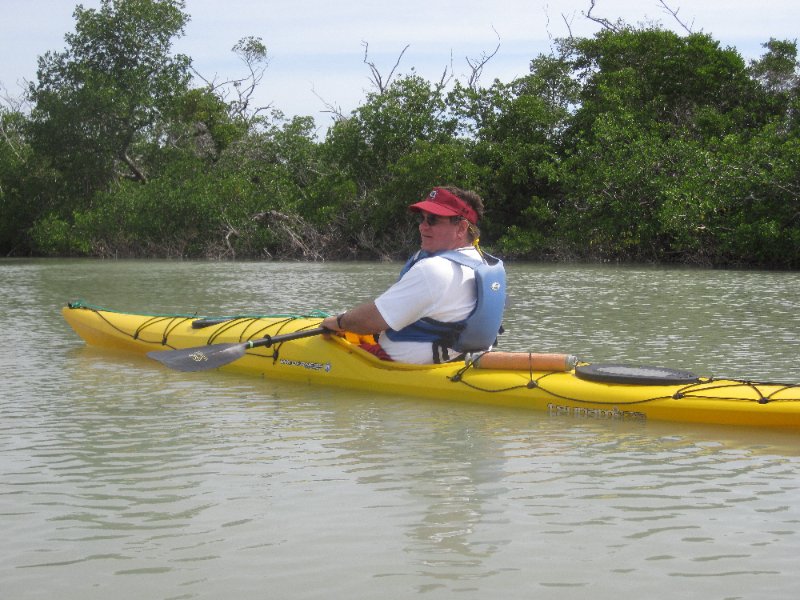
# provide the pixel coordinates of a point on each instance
(335, 361)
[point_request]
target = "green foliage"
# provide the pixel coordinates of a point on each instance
(392, 149)
(519, 143)
(658, 77)
(759, 199)
(386, 127)
(200, 122)
(777, 69)
(634, 144)
(777, 72)
(53, 236)
(244, 203)
(613, 185)
(28, 187)
(14, 154)
(105, 93)
(652, 152)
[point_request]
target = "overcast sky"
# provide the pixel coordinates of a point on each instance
(316, 46)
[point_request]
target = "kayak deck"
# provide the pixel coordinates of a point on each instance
(336, 361)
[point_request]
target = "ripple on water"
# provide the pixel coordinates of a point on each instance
(122, 478)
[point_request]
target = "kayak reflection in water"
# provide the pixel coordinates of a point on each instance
(450, 296)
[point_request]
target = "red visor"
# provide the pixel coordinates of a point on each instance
(444, 204)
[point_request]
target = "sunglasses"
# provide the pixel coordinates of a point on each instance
(433, 220)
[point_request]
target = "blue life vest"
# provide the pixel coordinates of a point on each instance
(479, 330)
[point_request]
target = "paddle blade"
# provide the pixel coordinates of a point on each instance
(201, 358)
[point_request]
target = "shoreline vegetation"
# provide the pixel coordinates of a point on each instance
(638, 144)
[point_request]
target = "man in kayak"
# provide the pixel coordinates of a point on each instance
(421, 317)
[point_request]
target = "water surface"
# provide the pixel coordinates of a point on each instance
(121, 479)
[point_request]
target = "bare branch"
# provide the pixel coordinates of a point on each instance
(479, 64)
(20, 104)
(605, 23)
(210, 84)
(253, 53)
(445, 79)
(377, 78)
(334, 109)
(674, 13)
(230, 231)
(298, 236)
(137, 173)
(10, 133)
(391, 73)
(568, 23)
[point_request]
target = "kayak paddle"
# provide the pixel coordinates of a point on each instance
(202, 358)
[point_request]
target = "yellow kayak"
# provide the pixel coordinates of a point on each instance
(582, 391)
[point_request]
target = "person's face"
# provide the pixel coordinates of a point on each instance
(441, 233)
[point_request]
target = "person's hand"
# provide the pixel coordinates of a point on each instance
(332, 323)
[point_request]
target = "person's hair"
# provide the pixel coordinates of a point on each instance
(475, 201)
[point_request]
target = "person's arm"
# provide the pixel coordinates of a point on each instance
(404, 302)
(363, 319)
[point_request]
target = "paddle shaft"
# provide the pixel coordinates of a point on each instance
(202, 358)
(270, 340)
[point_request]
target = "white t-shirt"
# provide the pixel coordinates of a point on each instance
(434, 287)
